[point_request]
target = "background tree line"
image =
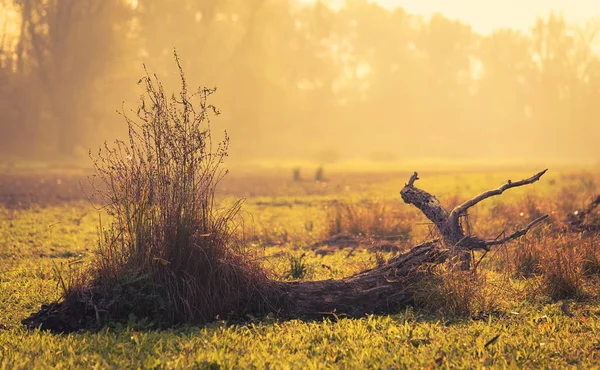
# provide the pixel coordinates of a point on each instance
(298, 81)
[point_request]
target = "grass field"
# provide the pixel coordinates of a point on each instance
(48, 229)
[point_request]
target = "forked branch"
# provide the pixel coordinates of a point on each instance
(461, 209)
(448, 222)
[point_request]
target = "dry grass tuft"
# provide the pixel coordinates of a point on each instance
(450, 290)
(527, 259)
(591, 255)
(562, 271)
(170, 253)
(368, 218)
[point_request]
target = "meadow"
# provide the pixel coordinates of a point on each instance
(533, 304)
(186, 253)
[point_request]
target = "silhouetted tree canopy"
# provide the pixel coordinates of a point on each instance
(302, 81)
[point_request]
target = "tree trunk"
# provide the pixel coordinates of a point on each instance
(383, 289)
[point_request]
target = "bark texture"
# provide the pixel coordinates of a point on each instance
(384, 289)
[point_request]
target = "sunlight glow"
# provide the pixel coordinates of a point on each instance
(486, 16)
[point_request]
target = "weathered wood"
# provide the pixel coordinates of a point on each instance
(384, 289)
(448, 223)
(428, 204)
(391, 287)
(451, 232)
(461, 210)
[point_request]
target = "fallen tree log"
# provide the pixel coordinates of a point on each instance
(391, 287)
(384, 289)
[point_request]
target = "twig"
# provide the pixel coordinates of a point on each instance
(479, 261)
(473, 243)
(491, 341)
(412, 179)
(517, 233)
(565, 309)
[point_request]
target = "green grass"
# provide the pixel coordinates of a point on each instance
(533, 337)
(40, 243)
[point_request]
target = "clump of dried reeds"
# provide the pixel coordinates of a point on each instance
(170, 253)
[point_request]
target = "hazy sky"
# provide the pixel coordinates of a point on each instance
(486, 15)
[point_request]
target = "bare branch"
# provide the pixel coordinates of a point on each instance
(474, 243)
(565, 309)
(517, 233)
(459, 210)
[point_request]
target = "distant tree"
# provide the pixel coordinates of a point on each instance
(66, 50)
(303, 77)
(504, 90)
(69, 47)
(563, 56)
(265, 56)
